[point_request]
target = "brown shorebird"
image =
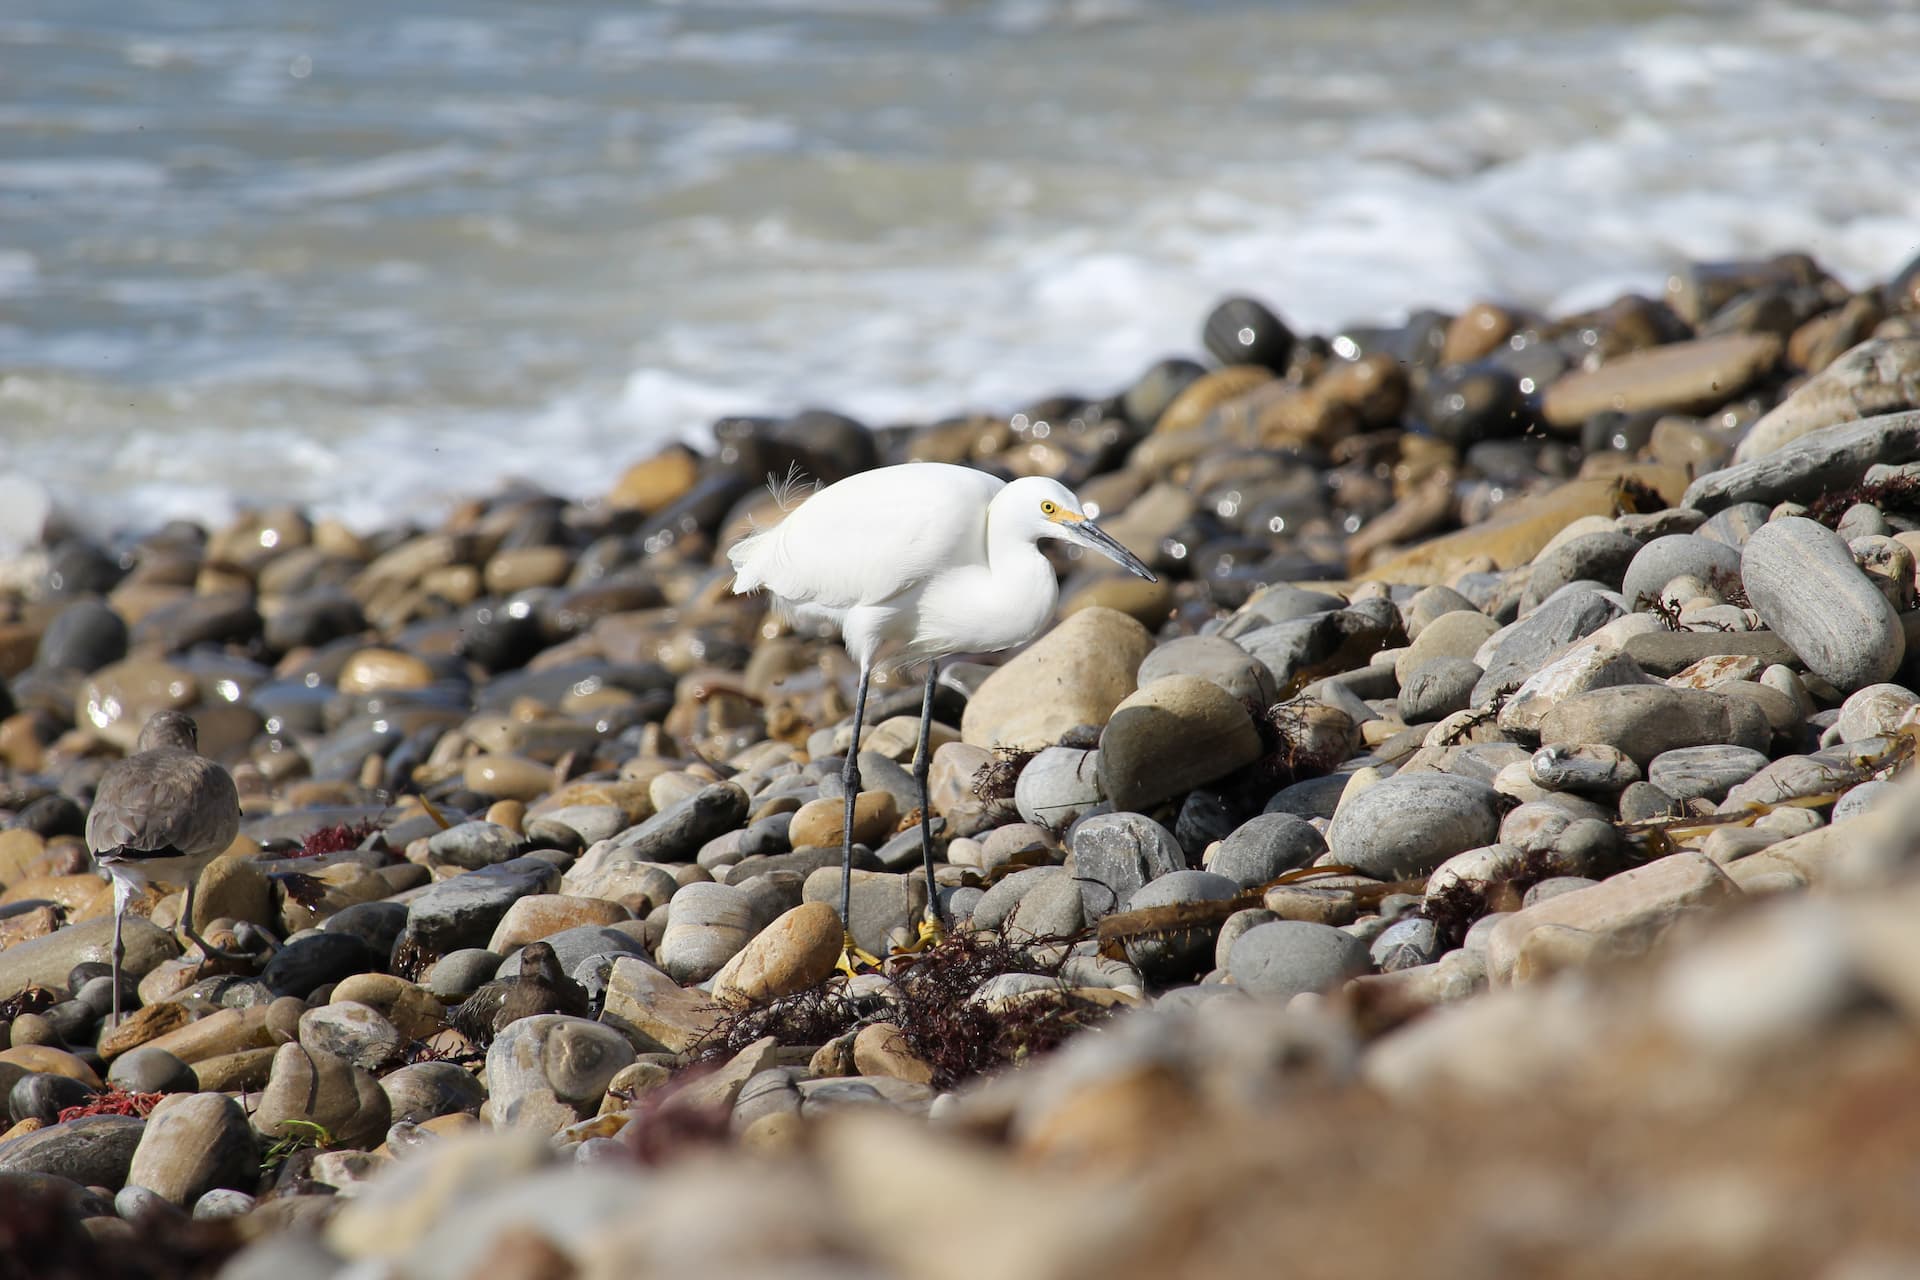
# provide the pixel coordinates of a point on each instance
(166, 810)
(541, 986)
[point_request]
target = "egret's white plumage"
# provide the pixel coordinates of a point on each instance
(914, 563)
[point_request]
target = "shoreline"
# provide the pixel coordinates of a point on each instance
(1580, 650)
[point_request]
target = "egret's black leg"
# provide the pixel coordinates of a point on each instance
(922, 767)
(850, 779)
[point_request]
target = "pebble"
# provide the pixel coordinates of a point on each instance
(1075, 674)
(795, 952)
(642, 771)
(1805, 586)
(1113, 855)
(1170, 736)
(93, 1151)
(193, 1144)
(151, 1070)
(1285, 958)
(1058, 787)
(549, 1070)
(319, 1088)
(1643, 721)
(1706, 773)
(1185, 954)
(1406, 826)
(1265, 846)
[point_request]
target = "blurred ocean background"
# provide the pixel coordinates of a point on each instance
(368, 255)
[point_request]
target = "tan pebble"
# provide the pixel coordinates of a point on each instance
(374, 669)
(541, 915)
(653, 484)
(778, 1132)
(142, 1026)
(819, 823)
(39, 1057)
(797, 951)
(880, 1050)
(511, 814)
(244, 1071)
(519, 568)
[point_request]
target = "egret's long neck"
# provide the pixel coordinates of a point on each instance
(1024, 588)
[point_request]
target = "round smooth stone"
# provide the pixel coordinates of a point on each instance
(1707, 773)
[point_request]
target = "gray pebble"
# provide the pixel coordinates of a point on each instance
(1706, 772)
(1804, 584)
(1407, 825)
(1265, 846)
(1287, 957)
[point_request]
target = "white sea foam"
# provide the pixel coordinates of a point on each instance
(541, 242)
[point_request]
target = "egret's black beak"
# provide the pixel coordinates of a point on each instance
(1092, 535)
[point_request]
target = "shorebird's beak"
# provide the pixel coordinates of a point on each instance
(1089, 534)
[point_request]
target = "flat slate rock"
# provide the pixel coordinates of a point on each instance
(1818, 462)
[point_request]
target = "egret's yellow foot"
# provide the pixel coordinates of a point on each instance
(853, 960)
(931, 934)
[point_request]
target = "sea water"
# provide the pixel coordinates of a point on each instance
(366, 256)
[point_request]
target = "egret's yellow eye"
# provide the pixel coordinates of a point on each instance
(1049, 508)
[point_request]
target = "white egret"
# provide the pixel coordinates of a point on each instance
(165, 810)
(914, 563)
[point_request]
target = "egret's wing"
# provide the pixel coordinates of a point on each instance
(871, 537)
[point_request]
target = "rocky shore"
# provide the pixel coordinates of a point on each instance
(1492, 846)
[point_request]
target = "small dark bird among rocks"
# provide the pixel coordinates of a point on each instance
(541, 986)
(166, 811)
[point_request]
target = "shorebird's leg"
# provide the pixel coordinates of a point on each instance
(933, 927)
(207, 950)
(122, 895)
(850, 780)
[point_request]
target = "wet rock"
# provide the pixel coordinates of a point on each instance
(1684, 377)
(43, 1095)
(84, 636)
(1245, 331)
(1406, 944)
